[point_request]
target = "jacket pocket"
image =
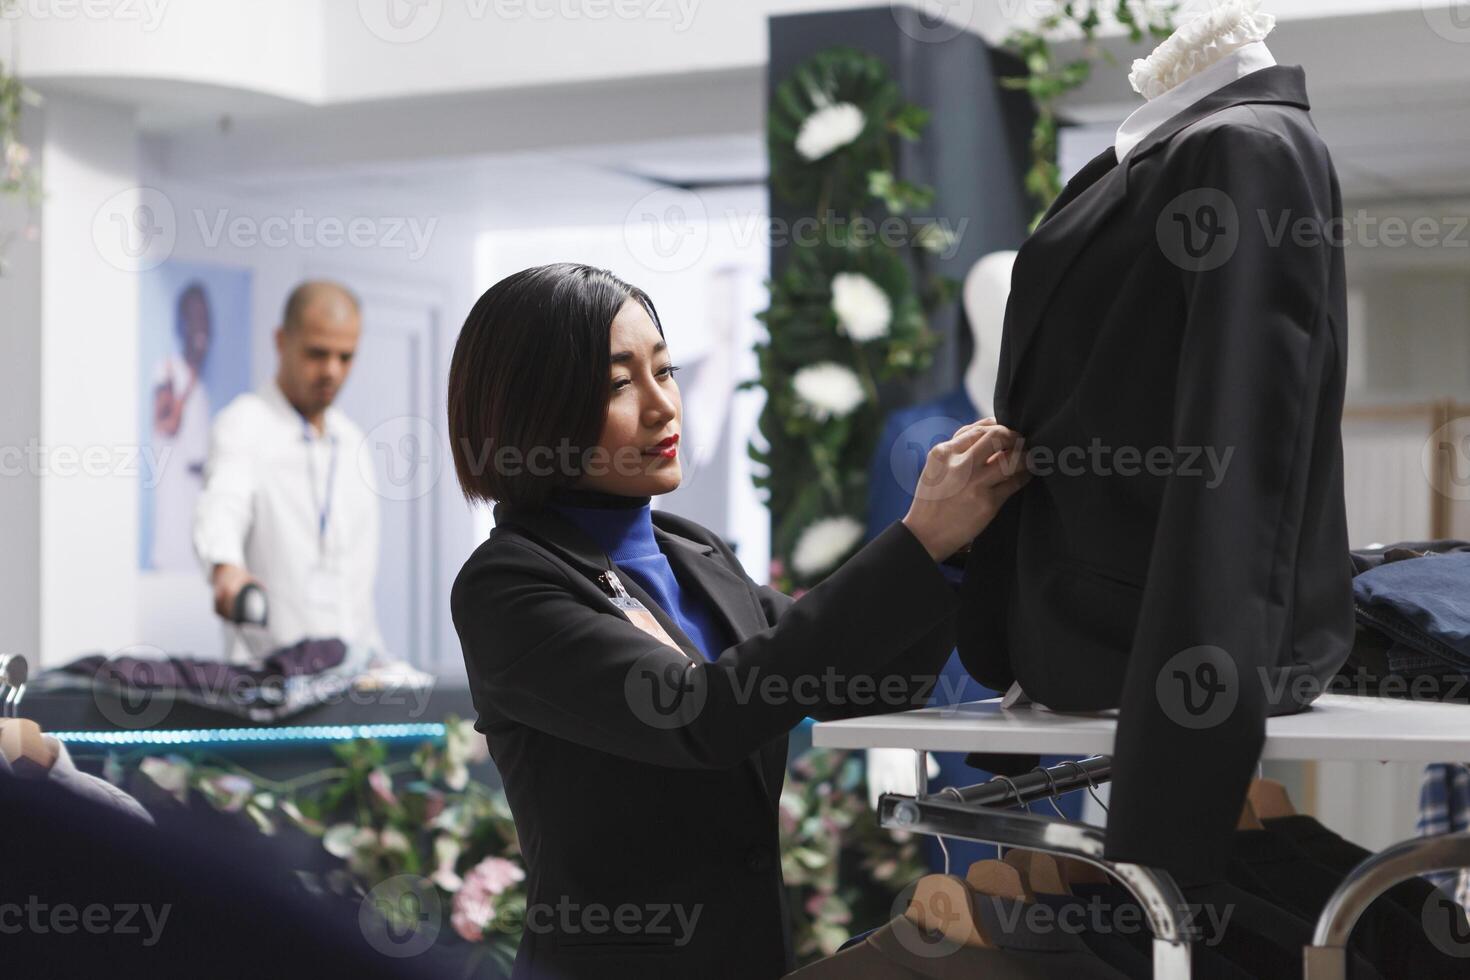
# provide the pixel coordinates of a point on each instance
(1100, 605)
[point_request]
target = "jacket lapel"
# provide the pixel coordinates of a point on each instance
(1092, 196)
(1088, 200)
(696, 566)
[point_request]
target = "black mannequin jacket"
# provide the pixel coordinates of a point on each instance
(645, 783)
(1177, 303)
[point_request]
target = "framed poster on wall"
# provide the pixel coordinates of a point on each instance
(193, 357)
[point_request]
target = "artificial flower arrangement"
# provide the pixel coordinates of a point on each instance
(422, 825)
(850, 309)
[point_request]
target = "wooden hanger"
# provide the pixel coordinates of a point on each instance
(996, 879)
(28, 753)
(1268, 798)
(1040, 873)
(1075, 872)
(943, 904)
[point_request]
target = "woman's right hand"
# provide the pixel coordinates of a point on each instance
(965, 481)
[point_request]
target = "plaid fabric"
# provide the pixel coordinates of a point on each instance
(1444, 807)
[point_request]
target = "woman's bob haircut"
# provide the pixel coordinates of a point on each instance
(528, 382)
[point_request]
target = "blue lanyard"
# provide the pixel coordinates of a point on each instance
(323, 507)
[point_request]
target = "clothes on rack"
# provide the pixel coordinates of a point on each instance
(1444, 807)
(1282, 873)
(1271, 866)
(1026, 951)
(1238, 932)
(1331, 850)
(65, 774)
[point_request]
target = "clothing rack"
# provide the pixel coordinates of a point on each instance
(14, 671)
(1038, 784)
(1338, 727)
(973, 813)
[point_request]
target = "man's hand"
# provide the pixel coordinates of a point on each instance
(228, 581)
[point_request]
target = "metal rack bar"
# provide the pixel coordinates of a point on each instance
(1326, 958)
(1035, 785)
(1162, 902)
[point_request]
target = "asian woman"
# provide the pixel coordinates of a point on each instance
(635, 685)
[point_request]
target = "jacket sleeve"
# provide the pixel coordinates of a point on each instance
(981, 634)
(537, 655)
(1215, 603)
(903, 683)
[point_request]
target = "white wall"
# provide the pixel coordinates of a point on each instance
(322, 51)
(70, 484)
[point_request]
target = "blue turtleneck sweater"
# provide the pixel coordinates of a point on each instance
(623, 527)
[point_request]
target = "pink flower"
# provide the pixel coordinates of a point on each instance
(433, 805)
(382, 786)
(474, 903)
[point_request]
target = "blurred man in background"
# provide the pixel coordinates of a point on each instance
(285, 505)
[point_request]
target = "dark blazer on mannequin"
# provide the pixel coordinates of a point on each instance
(1199, 597)
(644, 780)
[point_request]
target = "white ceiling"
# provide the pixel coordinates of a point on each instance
(1390, 96)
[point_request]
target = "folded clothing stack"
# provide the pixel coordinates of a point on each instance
(1413, 612)
(290, 680)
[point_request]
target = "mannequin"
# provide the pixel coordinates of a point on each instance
(1151, 312)
(1203, 55)
(987, 287)
(894, 474)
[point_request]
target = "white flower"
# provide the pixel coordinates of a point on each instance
(862, 307)
(446, 854)
(824, 543)
(17, 158)
(828, 389)
(1198, 44)
(826, 129)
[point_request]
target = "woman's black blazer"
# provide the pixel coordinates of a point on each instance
(645, 784)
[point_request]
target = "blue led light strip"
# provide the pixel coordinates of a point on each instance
(300, 733)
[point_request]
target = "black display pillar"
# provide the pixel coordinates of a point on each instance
(974, 152)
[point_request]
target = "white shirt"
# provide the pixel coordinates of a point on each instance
(1157, 111)
(266, 483)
